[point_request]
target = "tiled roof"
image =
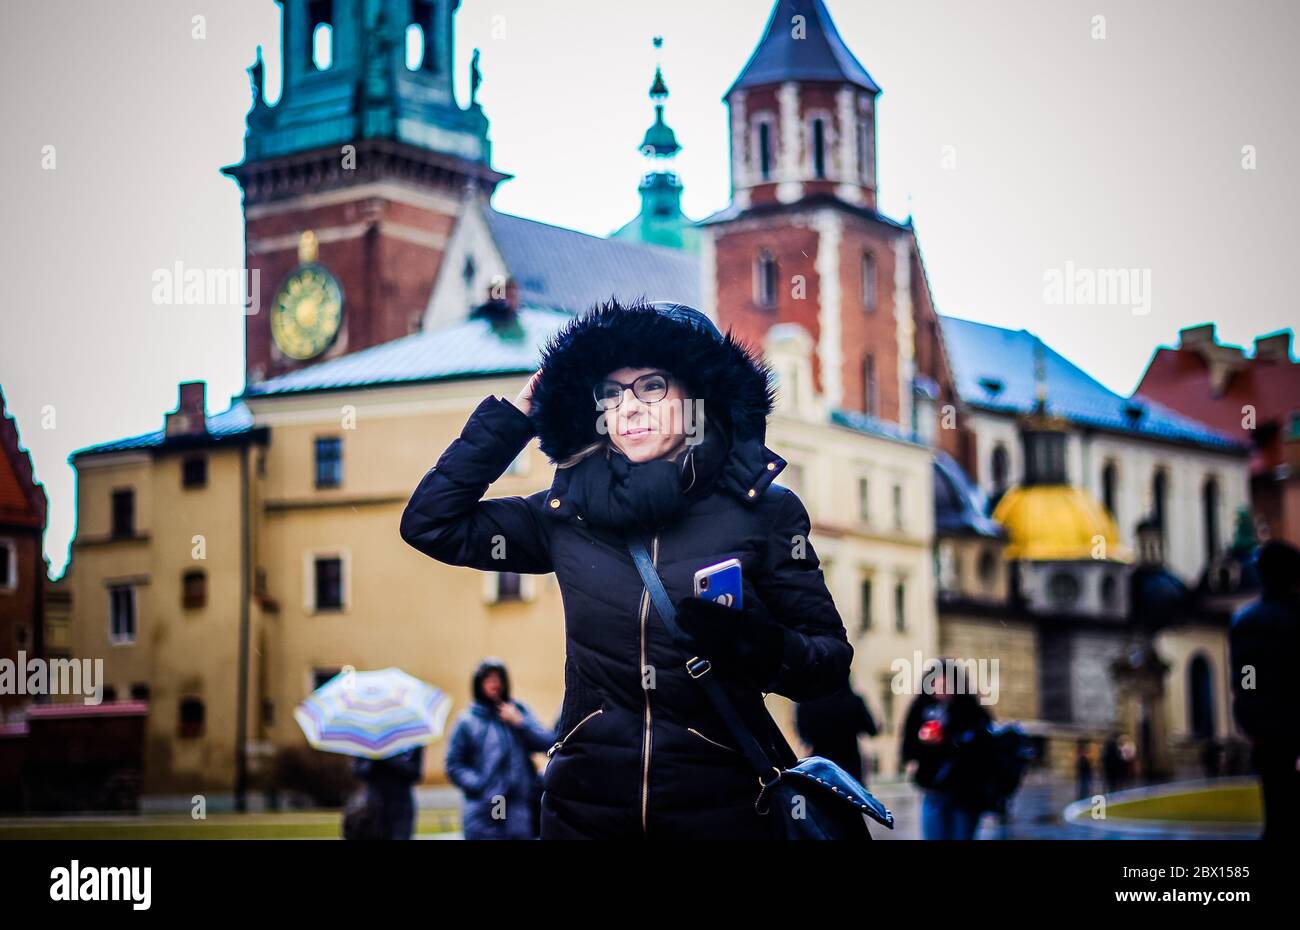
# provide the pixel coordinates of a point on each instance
(818, 54)
(233, 421)
(994, 369)
(563, 269)
(461, 350)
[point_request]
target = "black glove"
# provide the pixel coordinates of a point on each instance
(739, 645)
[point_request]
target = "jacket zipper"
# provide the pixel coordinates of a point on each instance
(561, 742)
(646, 736)
(707, 740)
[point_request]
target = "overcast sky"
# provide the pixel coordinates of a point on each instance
(1021, 142)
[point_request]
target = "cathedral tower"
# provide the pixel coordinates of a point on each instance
(353, 180)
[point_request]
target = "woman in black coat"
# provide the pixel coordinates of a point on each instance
(656, 422)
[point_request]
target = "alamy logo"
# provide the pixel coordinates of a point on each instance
(53, 677)
(105, 883)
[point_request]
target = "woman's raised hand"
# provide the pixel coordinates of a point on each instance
(525, 399)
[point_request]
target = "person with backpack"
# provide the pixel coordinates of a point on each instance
(964, 764)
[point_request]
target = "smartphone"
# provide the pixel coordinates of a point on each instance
(722, 583)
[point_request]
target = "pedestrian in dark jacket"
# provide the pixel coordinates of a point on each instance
(656, 422)
(1265, 643)
(948, 737)
(489, 759)
(831, 727)
(390, 793)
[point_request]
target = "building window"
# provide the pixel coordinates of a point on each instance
(139, 692)
(329, 583)
(1109, 591)
(194, 471)
(123, 525)
(764, 148)
(1200, 691)
(819, 147)
(1110, 489)
(1000, 468)
(765, 280)
(121, 615)
(887, 704)
(863, 148)
(870, 281)
(988, 568)
(900, 607)
(864, 604)
(323, 676)
(194, 589)
(191, 718)
(509, 587)
(864, 500)
(1063, 590)
(329, 462)
(1210, 520)
(898, 506)
(8, 565)
(870, 392)
(320, 29)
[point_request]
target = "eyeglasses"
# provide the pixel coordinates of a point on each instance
(649, 389)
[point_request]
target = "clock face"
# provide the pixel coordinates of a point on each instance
(307, 312)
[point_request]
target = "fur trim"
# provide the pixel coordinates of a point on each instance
(736, 385)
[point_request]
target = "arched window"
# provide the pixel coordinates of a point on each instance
(414, 47)
(1110, 489)
(1200, 693)
(763, 147)
(1001, 468)
(1210, 519)
(1159, 497)
(765, 278)
(870, 284)
(819, 147)
(320, 30)
(870, 394)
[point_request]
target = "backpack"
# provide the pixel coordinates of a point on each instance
(1010, 757)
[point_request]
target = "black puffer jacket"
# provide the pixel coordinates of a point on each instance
(636, 761)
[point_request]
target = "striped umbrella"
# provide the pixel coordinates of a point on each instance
(373, 715)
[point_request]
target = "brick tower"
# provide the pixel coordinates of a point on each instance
(803, 243)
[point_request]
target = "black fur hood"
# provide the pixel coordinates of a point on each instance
(737, 387)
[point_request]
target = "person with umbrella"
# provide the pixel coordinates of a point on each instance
(383, 719)
(490, 759)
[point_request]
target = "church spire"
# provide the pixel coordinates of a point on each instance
(661, 221)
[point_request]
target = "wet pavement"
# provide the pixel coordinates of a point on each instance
(1035, 813)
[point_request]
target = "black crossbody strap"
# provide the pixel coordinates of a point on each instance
(699, 669)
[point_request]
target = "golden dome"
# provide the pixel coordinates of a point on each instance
(1055, 523)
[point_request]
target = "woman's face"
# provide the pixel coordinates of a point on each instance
(643, 430)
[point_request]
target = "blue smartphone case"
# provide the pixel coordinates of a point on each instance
(723, 583)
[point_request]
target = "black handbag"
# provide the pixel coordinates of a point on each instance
(815, 798)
